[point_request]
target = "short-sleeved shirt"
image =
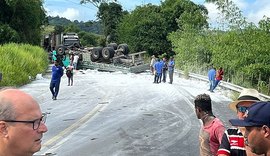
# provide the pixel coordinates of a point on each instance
(210, 138)
(232, 143)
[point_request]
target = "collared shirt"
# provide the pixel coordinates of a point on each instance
(232, 143)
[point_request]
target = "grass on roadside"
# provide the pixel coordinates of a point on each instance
(18, 62)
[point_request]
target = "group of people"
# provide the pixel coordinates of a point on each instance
(249, 137)
(159, 69)
(215, 77)
(58, 72)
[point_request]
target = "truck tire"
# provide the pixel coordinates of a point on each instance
(76, 45)
(107, 53)
(113, 45)
(61, 50)
(96, 53)
(123, 48)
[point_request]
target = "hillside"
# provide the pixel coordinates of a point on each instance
(90, 26)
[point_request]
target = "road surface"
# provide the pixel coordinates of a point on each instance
(115, 114)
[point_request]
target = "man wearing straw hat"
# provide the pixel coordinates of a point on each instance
(232, 143)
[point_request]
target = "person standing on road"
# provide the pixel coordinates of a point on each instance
(171, 69)
(152, 63)
(257, 127)
(57, 73)
(211, 78)
(75, 61)
(212, 129)
(21, 123)
(164, 69)
(69, 73)
(219, 76)
(158, 70)
(232, 143)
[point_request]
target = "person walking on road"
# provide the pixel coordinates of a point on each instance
(22, 124)
(212, 129)
(171, 69)
(232, 143)
(257, 127)
(211, 78)
(57, 73)
(152, 63)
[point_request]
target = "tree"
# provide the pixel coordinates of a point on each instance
(97, 3)
(110, 15)
(25, 17)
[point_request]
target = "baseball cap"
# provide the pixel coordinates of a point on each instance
(247, 94)
(257, 114)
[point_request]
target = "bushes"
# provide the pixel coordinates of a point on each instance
(19, 61)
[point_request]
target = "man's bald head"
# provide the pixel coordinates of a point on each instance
(11, 100)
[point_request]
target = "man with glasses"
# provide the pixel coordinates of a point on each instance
(21, 124)
(232, 143)
(257, 124)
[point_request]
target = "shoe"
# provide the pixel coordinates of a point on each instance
(54, 98)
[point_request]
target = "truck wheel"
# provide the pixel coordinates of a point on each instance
(123, 48)
(113, 45)
(61, 50)
(96, 53)
(107, 53)
(76, 45)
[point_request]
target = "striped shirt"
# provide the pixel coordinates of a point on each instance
(232, 143)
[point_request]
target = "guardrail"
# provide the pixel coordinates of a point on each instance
(223, 84)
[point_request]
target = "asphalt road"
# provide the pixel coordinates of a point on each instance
(115, 114)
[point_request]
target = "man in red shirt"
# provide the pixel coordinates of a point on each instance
(212, 129)
(219, 76)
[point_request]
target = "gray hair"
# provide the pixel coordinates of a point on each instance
(7, 110)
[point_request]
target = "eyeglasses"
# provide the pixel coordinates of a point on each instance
(242, 109)
(36, 123)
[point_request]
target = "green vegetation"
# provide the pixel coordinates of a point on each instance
(242, 49)
(90, 26)
(21, 21)
(19, 61)
(177, 28)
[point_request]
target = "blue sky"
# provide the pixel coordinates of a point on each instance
(253, 10)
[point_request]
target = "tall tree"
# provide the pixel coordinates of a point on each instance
(25, 17)
(110, 15)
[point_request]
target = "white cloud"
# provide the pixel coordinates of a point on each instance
(213, 12)
(253, 10)
(70, 13)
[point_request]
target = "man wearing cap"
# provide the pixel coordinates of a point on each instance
(257, 124)
(232, 143)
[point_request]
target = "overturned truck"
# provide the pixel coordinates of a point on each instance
(112, 58)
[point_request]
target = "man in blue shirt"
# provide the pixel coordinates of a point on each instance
(158, 71)
(211, 78)
(57, 73)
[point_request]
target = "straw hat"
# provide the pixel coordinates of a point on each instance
(246, 94)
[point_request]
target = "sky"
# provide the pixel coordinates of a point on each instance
(253, 10)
